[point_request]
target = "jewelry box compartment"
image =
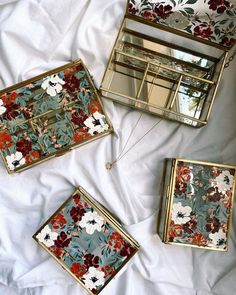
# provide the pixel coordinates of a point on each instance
(49, 115)
(162, 73)
(197, 204)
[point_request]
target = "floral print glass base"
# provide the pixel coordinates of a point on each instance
(88, 245)
(201, 205)
(50, 114)
(212, 20)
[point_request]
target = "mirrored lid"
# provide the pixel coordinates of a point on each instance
(206, 20)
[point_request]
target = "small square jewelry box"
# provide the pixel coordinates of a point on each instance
(87, 241)
(49, 115)
(198, 199)
(169, 57)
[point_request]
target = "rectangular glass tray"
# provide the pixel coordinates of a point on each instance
(87, 241)
(198, 203)
(49, 115)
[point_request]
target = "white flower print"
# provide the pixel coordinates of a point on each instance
(91, 221)
(96, 123)
(224, 181)
(52, 84)
(218, 239)
(15, 160)
(177, 20)
(47, 237)
(180, 214)
(93, 278)
(2, 108)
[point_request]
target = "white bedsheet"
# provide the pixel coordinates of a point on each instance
(38, 35)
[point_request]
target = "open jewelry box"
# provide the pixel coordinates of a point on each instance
(49, 115)
(169, 57)
(197, 204)
(87, 241)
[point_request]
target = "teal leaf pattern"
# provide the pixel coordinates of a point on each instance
(207, 19)
(53, 113)
(87, 244)
(202, 203)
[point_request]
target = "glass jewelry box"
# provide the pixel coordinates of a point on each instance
(87, 241)
(49, 115)
(169, 57)
(198, 207)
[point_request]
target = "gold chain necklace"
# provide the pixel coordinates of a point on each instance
(109, 165)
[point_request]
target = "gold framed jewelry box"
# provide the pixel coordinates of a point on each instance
(87, 241)
(49, 115)
(169, 57)
(198, 203)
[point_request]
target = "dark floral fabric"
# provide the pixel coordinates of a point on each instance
(202, 205)
(212, 20)
(86, 244)
(49, 114)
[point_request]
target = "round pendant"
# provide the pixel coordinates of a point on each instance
(109, 166)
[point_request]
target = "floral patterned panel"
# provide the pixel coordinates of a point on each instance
(50, 114)
(89, 246)
(203, 197)
(212, 20)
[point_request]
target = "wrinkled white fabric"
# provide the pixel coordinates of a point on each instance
(38, 35)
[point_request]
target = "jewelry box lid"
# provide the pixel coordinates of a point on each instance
(87, 241)
(211, 22)
(48, 115)
(199, 204)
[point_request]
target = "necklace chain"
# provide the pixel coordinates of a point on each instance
(230, 59)
(110, 165)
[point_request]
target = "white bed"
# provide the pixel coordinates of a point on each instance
(38, 35)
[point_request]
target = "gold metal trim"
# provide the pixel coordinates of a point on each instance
(107, 216)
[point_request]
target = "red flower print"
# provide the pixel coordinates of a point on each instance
(8, 99)
(94, 106)
(180, 187)
(78, 117)
(79, 202)
(76, 213)
(199, 240)
(57, 251)
(108, 270)
(163, 11)
(218, 5)
(190, 226)
(148, 15)
(78, 269)
(12, 112)
(127, 250)
(62, 240)
(213, 224)
(58, 221)
(80, 135)
(117, 240)
(5, 141)
(91, 260)
(33, 155)
(203, 31)
(24, 146)
(183, 173)
(213, 195)
(228, 42)
(72, 84)
(132, 9)
(175, 230)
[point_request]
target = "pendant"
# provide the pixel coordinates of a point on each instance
(109, 165)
